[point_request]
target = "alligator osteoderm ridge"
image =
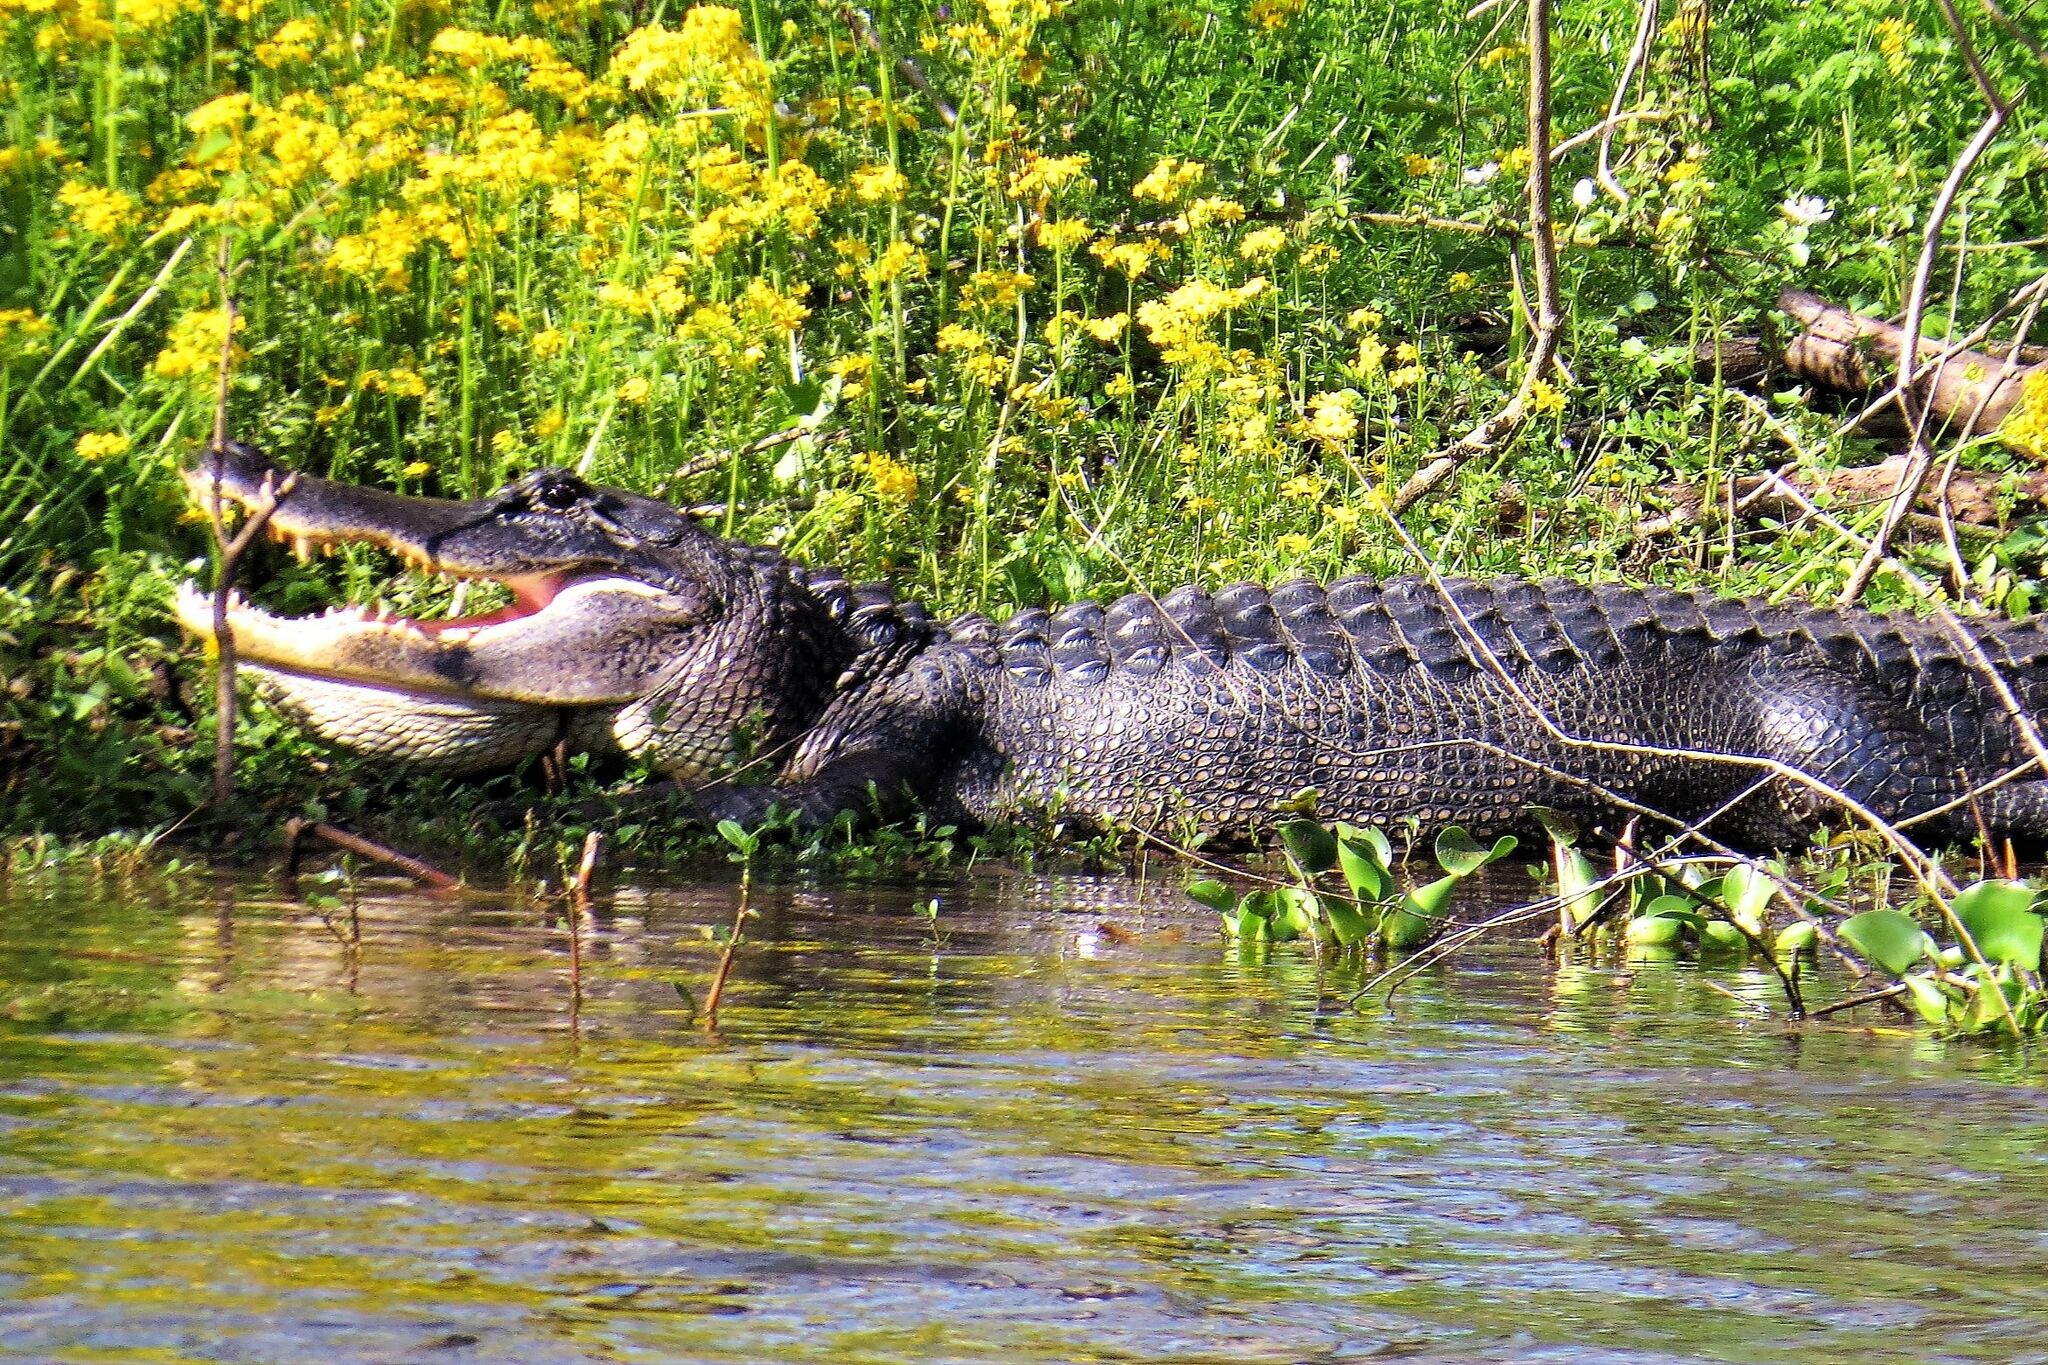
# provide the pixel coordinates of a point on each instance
(758, 681)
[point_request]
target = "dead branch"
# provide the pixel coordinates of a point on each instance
(296, 830)
(1837, 348)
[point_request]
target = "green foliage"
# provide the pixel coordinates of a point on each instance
(1985, 984)
(1371, 911)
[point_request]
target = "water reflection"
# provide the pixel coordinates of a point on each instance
(1062, 1123)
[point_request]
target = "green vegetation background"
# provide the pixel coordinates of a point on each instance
(1010, 300)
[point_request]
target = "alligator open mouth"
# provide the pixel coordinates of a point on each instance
(573, 635)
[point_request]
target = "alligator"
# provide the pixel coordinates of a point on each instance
(759, 683)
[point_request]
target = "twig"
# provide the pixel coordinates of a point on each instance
(1646, 33)
(1543, 251)
(592, 842)
(908, 69)
(295, 831)
(1891, 992)
(1921, 462)
(732, 943)
(1719, 989)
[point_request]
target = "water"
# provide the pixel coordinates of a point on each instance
(1071, 1127)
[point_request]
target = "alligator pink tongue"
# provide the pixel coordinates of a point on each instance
(530, 593)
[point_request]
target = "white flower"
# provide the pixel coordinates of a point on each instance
(1479, 175)
(1583, 192)
(1805, 210)
(1340, 167)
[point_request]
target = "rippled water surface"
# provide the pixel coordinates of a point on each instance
(1071, 1126)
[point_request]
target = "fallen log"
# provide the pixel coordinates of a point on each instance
(1971, 392)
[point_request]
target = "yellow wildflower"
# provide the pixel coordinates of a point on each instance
(1041, 176)
(99, 211)
(1262, 244)
(1515, 160)
(1309, 487)
(1110, 329)
(193, 344)
(1682, 171)
(1331, 424)
(1419, 166)
(417, 469)
(94, 446)
(1274, 14)
(1063, 235)
(1459, 282)
(549, 424)
(954, 337)
(1891, 41)
(1342, 515)
(1545, 398)
(879, 184)
(2025, 428)
(1494, 56)
(1214, 209)
(292, 42)
(1119, 387)
(1169, 180)
(548, 343)
(1293, 544)
(634, 390)
(893, 481)
(1364, 319)
(1408, 376)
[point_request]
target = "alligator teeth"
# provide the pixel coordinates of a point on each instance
(302, 547)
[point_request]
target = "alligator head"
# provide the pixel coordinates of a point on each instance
(614, 597)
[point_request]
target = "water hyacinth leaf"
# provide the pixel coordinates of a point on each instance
(1679, 908)
(1402, 929)
(1255, 915)
(1929, 999)
(1433, 899)
(1311, 848)
(2001, 919)
(1296, 913)
(1719, 936)
(1747, 891)
(1458, 855)
(1347, 925)
(1363, 857)
(1891, 939)
(1575, 882)
(1796, 938)
(1656, 931)
(1214, 894)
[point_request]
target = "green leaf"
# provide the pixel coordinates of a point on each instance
(736, 834)
(1575, 881)
(1297, 913)
(1401, 928)
(1214, 894)
(1656, 931)
(1363, 856)
(1680, 908)
(1459, 856)
(1719, 936)
(1432, 900)
(1311, 848)
(1891, 939)
(1796, 938)
(1927, 997)
(2001, 918)
(1347, 925)
(211, 146)
(1747, 891)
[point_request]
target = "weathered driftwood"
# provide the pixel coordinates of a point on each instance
(1972, 499)
(1970, 392)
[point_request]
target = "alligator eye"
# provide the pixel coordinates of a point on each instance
(557, 495)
